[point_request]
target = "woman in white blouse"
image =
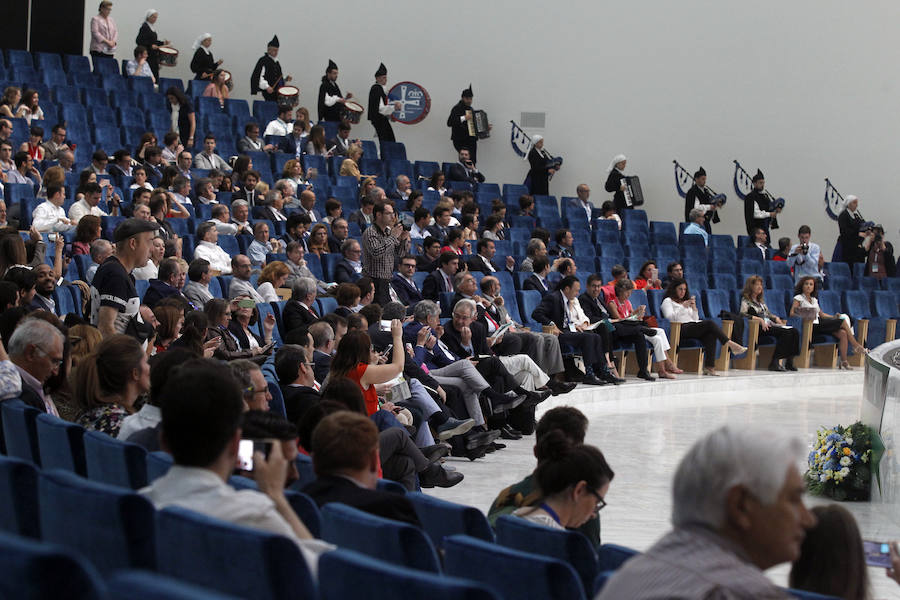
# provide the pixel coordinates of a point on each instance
(806, 305)
(620, 308)
(680, 307)
(609, 213)
(271, 279)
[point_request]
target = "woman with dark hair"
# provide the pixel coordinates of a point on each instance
(183, 119)
(171, 321)
(680, 307)
(493, 228)
(645, 279)
(355, 360)
(608, 213)
(169, 174)
(806, 305)
(109, 381)
(414, 201)
(33, 145)
(12, 250)
(436, 183)
(573, 480)
(218, 313)
(469, 224)
(333, 210)
(193, 335)
(147, 140)
(620, 308)
(87, 231)
(33, 111)
(243, 315)
(318, 239)
(787, 339)
(316, 145)
(218, 87)
(456, 243)
(832, 559)
(242, 164)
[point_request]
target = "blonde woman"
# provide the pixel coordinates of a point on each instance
(787, 339)
(273, 277)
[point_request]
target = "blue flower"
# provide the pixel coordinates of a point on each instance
(834, 437)
(832, 466)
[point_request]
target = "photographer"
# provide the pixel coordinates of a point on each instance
(805, 258)
(880, 261)
(381, 246)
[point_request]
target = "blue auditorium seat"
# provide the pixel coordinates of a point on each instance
(868, 284)
(390, 541)
(837, 269)
(158, 464)
(441, 519)
(780, 282)
(20, 431)
(511, 573)
(142, 585)
(884, 304)
(114, 462)
(392, 151)
(61, 444)
(838, 283)
(19, 495)
(327, 305)
(76, 63)
(202, 550)
(114, 526)
(33, 570)
(613, 556)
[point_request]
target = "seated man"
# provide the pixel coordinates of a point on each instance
(221, 219)
(241, 269)
(349, 268)
(50, 215)
(57, 144)
(307, 206)
(465, 170)
(288, 193)
(197, 288)
(421, 220)
(484, 260)
(402, 284)
(296, 378)
(88, 205)
(271, 205)
(169, 281)
(339, 233)
(401, 191)
(248, 189)
(262, 244)
(201, 413)
(121, 166)
(442, 222)
(295, 139)
(299, 311)
(533, 250)
(153, 164)
(563, 246)
(441, 280)
(341, 143)
(100, 250)
(363, 217)
(345, 458)
(251, 141)
(760, 241)
(24, 171)
(280, 125)
(240, 216)
(206, 192)
(208, 249)
(44, 286)
(733, 517)
(324, 343)
(429, 259)
(537, 281)
(208, 159)
(181, 189)
(697, 225)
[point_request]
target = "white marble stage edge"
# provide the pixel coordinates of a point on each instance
(644, 429)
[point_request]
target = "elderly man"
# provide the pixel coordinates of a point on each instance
(307, 206)
(349, 268)
(271, 206)
(36, 350)
(209, 250)
(197, 288)
(298, 268)
(241, 270)
(401, 191)
(535, 248)
(100, 250)
(262, 244)
(734, 515)
(339, 233)
(324, 344)
(169, 281)
(583, 202)
(299, 311)
(287, 189)
(88, 205)
(208, 159)
(240, 216)
(67, 160)
(697, 225)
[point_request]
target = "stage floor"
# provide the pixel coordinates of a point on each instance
(644, 429)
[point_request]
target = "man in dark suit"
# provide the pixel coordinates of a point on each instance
(484, 260)
(323, 336)
(294, 144)
(760, 241)
(299, 311)
(441, 226)
(627, 332)
(427, 260)
(441, 279)
(538, 280)
(36, 350)
(403, 284)
(307, 206)
(342, 142)
(364, 217)
(348, 269)
(339, 232)
(248, 189)
(295, 375)
(465, 169)
(563, 246)
(401, 191)
(563, 310)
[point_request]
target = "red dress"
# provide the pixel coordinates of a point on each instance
(370, 396)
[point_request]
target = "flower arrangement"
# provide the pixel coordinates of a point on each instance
(841, 462)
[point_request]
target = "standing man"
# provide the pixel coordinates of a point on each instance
(805, 258)
(458, 122)
(382, 244)
(699, 196)
(331, 100)
(267, 77)
(380, 110)
(758, 209)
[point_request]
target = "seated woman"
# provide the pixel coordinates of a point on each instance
(493, 228)
(170, 320)
(350, 166)
(271, 279)
(318, 239)
(293, 171)
(365, 185)
(414, 201)
(316, 145)
(469, 224)
(218, 88)
(140, 179)
(646, 280)
(436, 183)
(243, 315)
(157, 253)
(354, 360)
(109, 381)
(620, 309)
(680, 307)
(30, 108)
(33, 145)
(9, 104)
(806, 304)
(456, 243)
(608, 210)
(333, 210)
(218, 314)
(573, 479)
(147, 140)
(86, 232)
(787, 339)
(832, 559)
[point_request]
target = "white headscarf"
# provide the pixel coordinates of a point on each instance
(848, 199)
(149, 14)
(616, 160)
(198, 43)
(535, 139)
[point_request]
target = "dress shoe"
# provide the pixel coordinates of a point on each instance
(470, 453)
(497, 446)
(789, 364)
(435, 476)
(454, 427)
(535, 398)
(500, 407)
(435, 452)
(508, 433)
(592, 380)
(645, 375)
(560, 387)
(774, 366)
(474, 439)
(490, 448)
(608, 377)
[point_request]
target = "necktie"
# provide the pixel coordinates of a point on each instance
(491, 320)
(447, 283)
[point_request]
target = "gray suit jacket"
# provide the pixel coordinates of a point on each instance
(197, 293)
(239, 287)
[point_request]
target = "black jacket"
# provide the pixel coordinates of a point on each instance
(550, 309)
(344, 272)
(460, 173)
(328, 488)
(434, 285)
(408, 294)
(533, 283)
(297, 399)
(321, 365)
(479, 340)
(202, 64)
(295, 316)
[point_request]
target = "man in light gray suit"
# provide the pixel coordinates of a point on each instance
(197, 289)
(240, 282)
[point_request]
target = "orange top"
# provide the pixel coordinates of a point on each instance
(370, 396)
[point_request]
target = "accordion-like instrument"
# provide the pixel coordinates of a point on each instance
(634, 196)
(478, 124)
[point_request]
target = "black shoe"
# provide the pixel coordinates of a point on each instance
(490, 448)
(774, 366)
(535, 398)
(470, 453)
(497, 446)
(608, 377)
(592, 380)
(436, 452)
(508, 433)
(454, 427)
(560, 387)
(789, 364)
(435, 476)
(475, 439)
(645, 375)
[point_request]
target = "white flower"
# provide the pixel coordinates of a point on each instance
(845, 471)
(849, 441)
(823, 478)
(845, 461)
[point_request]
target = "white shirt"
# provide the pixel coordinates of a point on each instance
(219, 260)
(678, 313)
(267, 291)
(148, 271)
(574, 314)
(224, 228)
(278, 127)
(49, 217)
(386, 107)
(81, 208)
(204, 492)
(811, 303)
(416, 232)
(148, 416)
(587, 207)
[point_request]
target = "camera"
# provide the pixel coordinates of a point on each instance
(804, 248)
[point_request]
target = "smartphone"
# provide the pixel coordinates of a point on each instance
(246, 448)
(654, 273)
(387, 351)
(878, 554)
(384, 325)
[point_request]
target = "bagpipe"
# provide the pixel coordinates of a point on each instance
(522, 145)
(683, 177)
(834, 202)
(743, 185)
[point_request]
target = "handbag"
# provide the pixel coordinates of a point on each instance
(650, 321)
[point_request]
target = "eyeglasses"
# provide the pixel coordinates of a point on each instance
(253, 391)
(600, 501)
(56, 362)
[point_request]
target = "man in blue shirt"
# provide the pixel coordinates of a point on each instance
(698, 218)
(806, 258)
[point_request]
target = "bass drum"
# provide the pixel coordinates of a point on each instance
(168, 57)
(288, 95)
(352, 111)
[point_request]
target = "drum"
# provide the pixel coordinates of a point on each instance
(228, 80)
(288, 95)
(168, 57)
(352, 111)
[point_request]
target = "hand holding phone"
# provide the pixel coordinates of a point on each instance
(878, 554)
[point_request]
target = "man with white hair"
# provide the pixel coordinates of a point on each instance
(401, 190)
(36, 349)
(737, 509)
(697, 225)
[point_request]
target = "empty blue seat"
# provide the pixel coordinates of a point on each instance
(390, 541)
(158, 464)
(33, 570)
(837, 269)
(61, 444)
(76, 63)
(392, 151)
(780, 282)
(111, 526)
(19, 497)
(202, 550)
(141, 585)
(512, 574)
(20, 431)
(114, 462)
(838, 283)
(884, 304)
(441, 519)
(528, 300)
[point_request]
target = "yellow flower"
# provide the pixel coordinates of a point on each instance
(846, 451)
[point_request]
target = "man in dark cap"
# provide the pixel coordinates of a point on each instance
(331, 100)
(380, 109)
(267, 77)
(758, 209)
(114, 299)
(700, 196)
(458, 122)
